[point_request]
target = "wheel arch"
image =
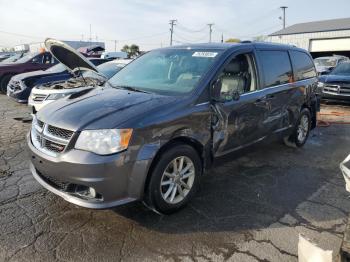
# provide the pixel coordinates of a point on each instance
(313, 112)
(195, 144)
(2, 78)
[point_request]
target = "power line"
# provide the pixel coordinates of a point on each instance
(187, 40)
(189, 30)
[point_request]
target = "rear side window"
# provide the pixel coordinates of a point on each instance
(276, 67)
(303, 66)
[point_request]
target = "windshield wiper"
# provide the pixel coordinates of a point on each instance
(131, 88)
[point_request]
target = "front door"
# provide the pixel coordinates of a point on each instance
(239, 121)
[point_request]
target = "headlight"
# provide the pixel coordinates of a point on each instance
(57, 96)
(320, 84)
(104, 141)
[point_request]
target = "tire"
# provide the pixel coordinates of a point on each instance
(3, 83)
(301, 131)
(163, 183)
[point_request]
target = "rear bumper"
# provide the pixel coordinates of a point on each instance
(115, 179)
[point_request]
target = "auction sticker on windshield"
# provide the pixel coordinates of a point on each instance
(204, 54)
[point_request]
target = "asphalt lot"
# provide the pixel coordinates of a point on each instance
(250, 207)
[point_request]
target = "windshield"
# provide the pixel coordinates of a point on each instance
(26, 58)
(166, 71)
(56, 68)
(329, 62)
(341, 69)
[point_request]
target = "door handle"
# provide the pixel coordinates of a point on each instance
(260, 101)
(270, 96)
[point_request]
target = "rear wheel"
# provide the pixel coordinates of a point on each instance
(3, 83)
(301, 131)
(174, 179)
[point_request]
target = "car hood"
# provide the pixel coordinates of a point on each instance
(68, 56)
(100, 108)
(30, 74)
(335, 79)
(6, 67)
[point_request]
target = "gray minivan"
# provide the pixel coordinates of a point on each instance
(157, 125)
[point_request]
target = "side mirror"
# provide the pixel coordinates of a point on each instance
(235, 95)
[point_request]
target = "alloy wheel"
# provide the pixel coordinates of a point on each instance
(177, 180)
(303, 128)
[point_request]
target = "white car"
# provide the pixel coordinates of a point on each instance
(47, 93)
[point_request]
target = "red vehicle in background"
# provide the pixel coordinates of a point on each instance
(91, 51)
(28, 63)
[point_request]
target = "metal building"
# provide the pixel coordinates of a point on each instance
(320, 38)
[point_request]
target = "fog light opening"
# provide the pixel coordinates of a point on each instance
(87, 192)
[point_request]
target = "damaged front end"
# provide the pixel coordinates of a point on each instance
(345, 168)
(73, 83)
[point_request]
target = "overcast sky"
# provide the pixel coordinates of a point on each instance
(146, 23)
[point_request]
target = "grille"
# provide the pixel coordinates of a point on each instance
(54, 182)
(38, 97)
(337, 89)
(49, 139)
(60, 132)
(54, 147)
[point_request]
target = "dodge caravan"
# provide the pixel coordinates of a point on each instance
(157, 125)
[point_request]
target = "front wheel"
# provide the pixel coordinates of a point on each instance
(301, 131)
(174, 180)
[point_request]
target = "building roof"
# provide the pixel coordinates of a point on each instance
(317, 26)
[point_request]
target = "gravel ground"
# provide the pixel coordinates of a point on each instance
(251, 207)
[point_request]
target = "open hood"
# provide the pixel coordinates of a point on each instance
(68, 56)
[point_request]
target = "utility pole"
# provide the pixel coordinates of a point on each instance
(210, 31)
(284, 15)
(172, 23)
(115, 45)
(222, 38)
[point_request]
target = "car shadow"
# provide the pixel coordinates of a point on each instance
(244, 192)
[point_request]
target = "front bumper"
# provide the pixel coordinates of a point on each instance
(345, 168)
(116, 179)
(332, 96)
(19, 97)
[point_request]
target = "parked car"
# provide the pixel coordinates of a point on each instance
(114, 55)
(168, 114)
(4, 56)
(20, 86)
(28, 63)
(92, 51)
(44, 94)
(345, 168)
(325, 64)
(336, 85)
(13, 58)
